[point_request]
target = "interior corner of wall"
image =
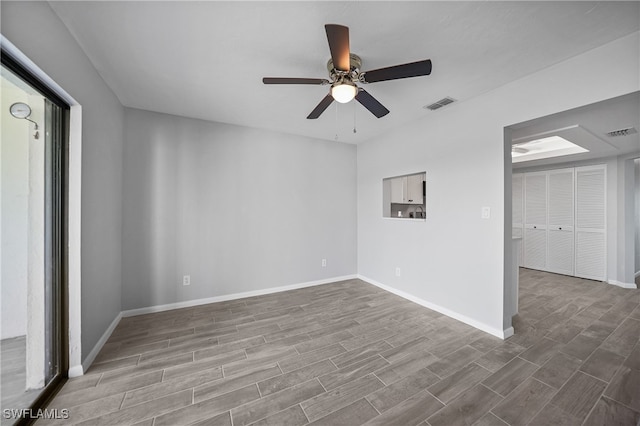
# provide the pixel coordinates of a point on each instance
(101, 342)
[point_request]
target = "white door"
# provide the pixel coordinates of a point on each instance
(560, 242)
(535, 216)
(591, 222)
(517, 216)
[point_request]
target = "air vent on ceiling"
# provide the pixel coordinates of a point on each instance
(622, 132)
(439, 104)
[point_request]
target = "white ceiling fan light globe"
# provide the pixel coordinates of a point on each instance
(344, 92)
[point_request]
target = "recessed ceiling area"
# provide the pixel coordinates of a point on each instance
(587, 127)
(547, 147)
(206, 59)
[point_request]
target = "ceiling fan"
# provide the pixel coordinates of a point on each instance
(344, 71)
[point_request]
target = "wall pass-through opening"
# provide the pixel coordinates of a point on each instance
(404, 197)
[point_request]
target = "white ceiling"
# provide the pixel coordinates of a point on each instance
(206, 59)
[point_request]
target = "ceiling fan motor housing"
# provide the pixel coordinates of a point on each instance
(354, 72)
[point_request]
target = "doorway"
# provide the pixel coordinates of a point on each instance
(33, 153)
(608, 133)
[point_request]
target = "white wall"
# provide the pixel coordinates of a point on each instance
(37, 31)
(455, 259)
(14, 154)
(237, 209)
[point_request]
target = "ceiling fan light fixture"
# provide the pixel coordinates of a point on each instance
(344, 92)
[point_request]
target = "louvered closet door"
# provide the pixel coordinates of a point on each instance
(591, 222)
(535, 216)
(560, 258)
(517, 200)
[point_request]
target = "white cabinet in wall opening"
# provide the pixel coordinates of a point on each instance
(397, 189)
(407, 189)
(414, 189)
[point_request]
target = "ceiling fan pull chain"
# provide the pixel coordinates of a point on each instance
(354, 117)
(336, 121)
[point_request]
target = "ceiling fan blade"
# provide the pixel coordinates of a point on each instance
(413, 69)
(324, 104)
(280, 80)
(370, 103)
(338, 37)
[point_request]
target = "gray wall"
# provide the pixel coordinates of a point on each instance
(237, 209)
(625, 274)
(455, 259)
(637, 214)
(36, 30)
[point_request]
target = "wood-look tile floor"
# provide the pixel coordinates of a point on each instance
(350, 353)
(13, 376)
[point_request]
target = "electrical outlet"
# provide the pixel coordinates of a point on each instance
(324, 263)
(486, 212)
(398, 272)
(186, 280)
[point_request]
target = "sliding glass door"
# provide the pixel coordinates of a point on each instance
(33, 153)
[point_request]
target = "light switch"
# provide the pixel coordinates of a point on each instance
(486, 212)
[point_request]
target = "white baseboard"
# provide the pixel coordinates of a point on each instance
(233, 296)
(503, 334)
(621, 284)
(98, 346)
(79, 370)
